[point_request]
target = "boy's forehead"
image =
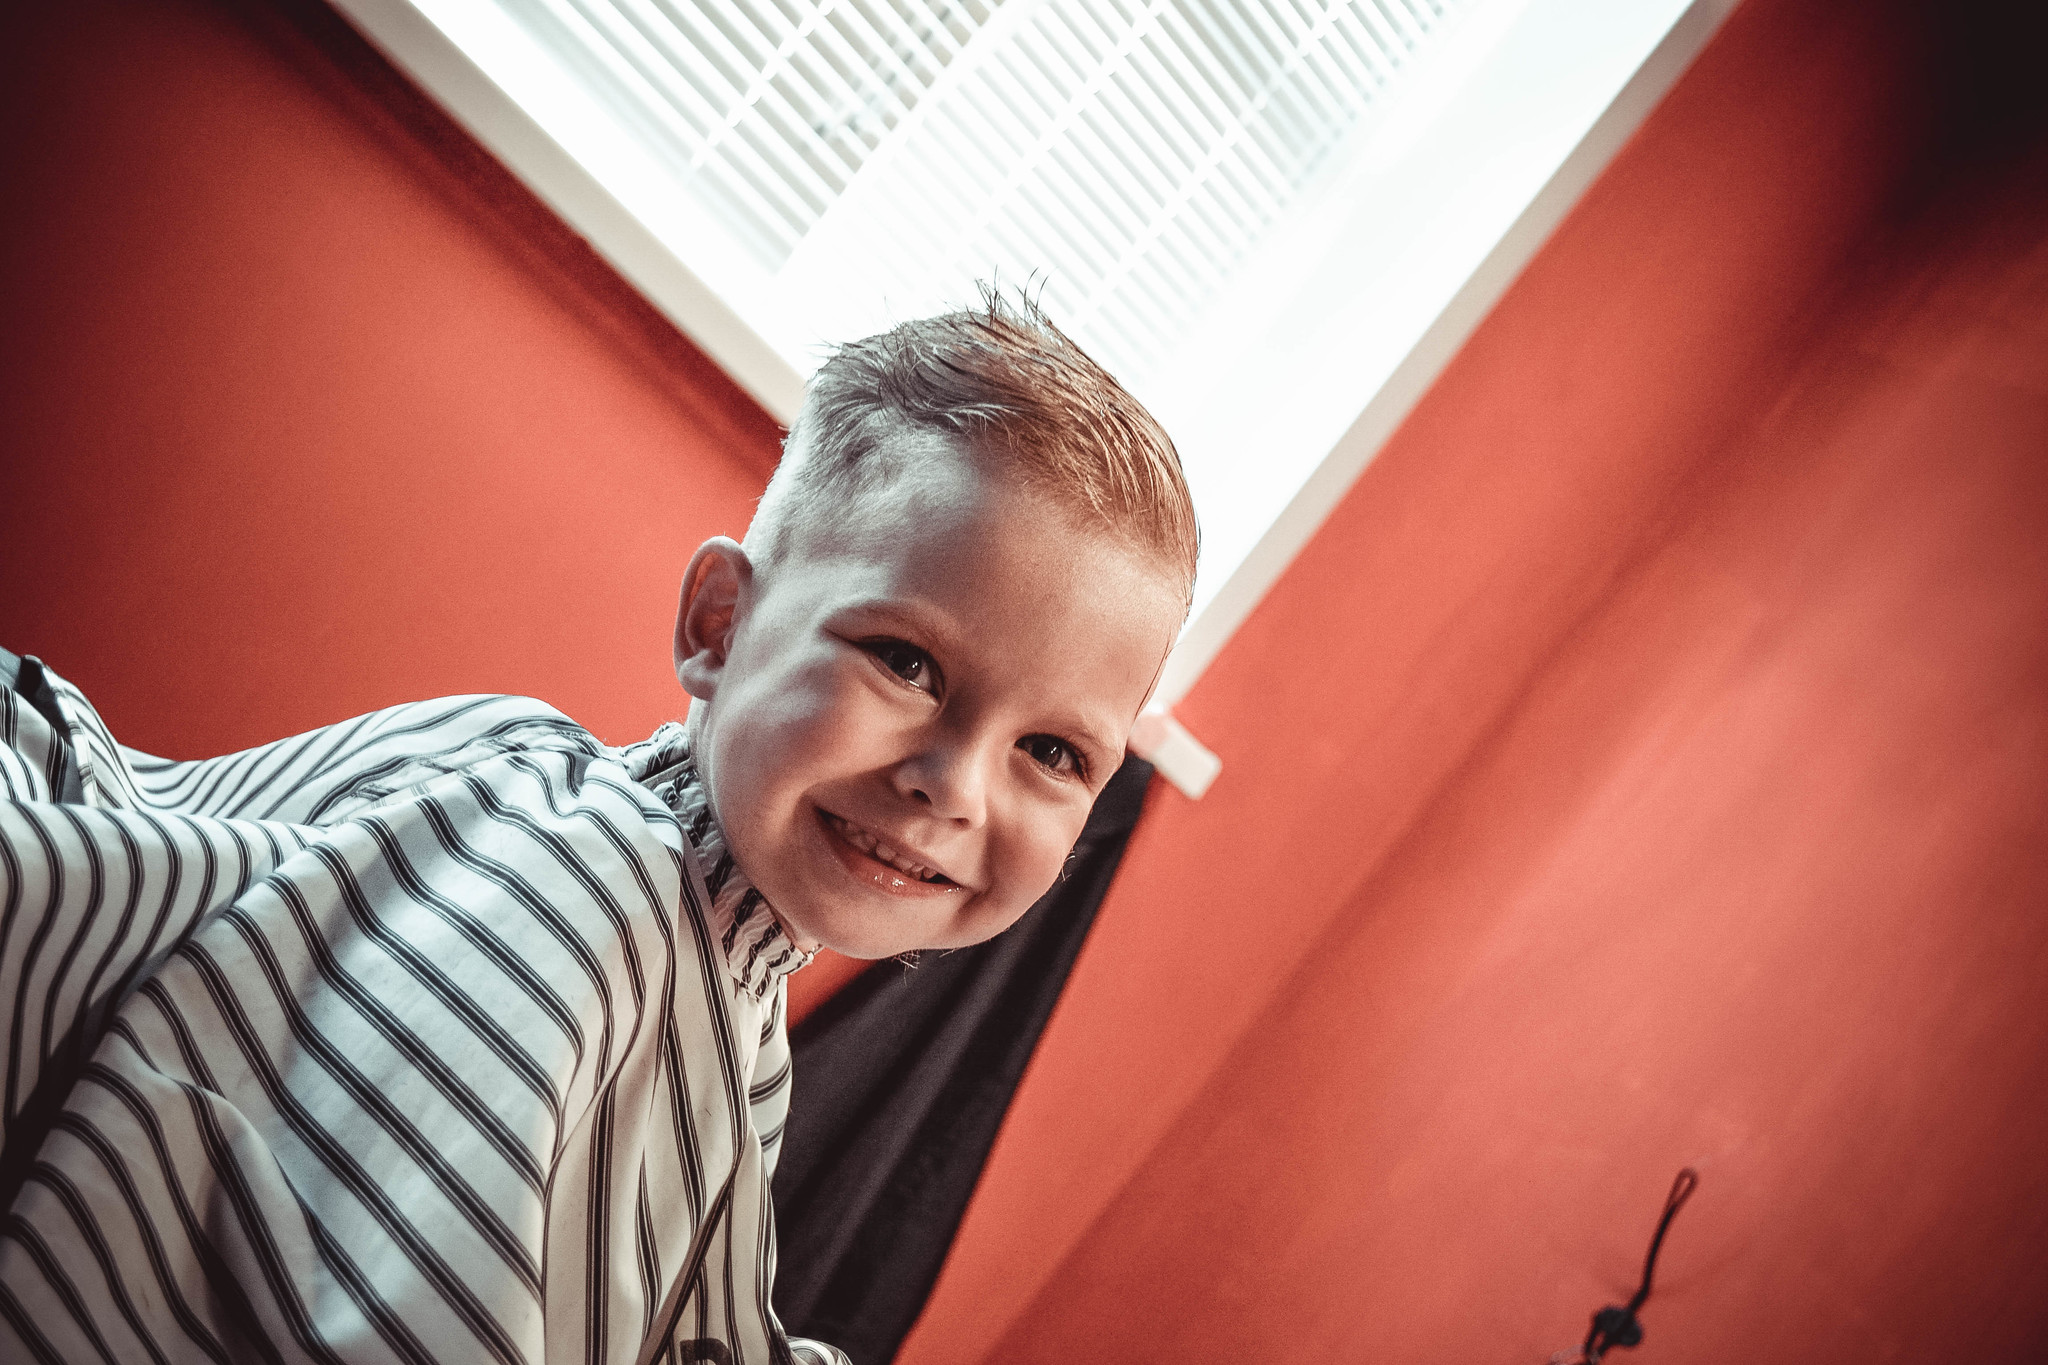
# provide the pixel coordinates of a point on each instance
(932, 495)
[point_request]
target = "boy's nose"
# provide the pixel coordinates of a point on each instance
(950, 779)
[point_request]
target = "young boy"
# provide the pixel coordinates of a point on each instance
(448, 1033)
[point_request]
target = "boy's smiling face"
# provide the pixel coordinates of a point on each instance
(907, 717)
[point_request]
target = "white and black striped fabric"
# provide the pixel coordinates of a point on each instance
(443, 1034)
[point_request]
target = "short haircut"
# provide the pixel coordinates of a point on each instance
(1022, 400)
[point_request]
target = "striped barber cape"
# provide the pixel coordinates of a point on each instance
(443, 1034)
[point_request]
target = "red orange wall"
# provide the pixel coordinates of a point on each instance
(1646, 766)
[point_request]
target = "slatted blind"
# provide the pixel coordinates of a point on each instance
(767, 107)
(1125, 154)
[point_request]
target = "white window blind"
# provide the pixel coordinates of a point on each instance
(767, 108)
(1123, 154)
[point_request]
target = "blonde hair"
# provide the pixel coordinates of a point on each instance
(1022, 400)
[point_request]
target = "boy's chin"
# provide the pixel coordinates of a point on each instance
(856, 942)
(849, 930)
(871, 931)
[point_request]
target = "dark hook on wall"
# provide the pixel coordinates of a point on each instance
(1616, 1325)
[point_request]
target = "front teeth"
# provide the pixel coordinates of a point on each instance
(876, 849)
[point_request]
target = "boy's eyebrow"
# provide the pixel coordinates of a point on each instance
(910, 613)
(919, 618)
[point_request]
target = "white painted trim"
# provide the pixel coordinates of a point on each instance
(1311, 506)
(414, 44)
(1178, 756)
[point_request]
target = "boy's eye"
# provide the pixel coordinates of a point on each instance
(1055, 754)
(907, 662)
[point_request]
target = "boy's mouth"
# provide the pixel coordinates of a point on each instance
(873, 859)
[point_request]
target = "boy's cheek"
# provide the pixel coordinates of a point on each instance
(787, 719)
(1028, 866)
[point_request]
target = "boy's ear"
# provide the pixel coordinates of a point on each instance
(716, 590)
